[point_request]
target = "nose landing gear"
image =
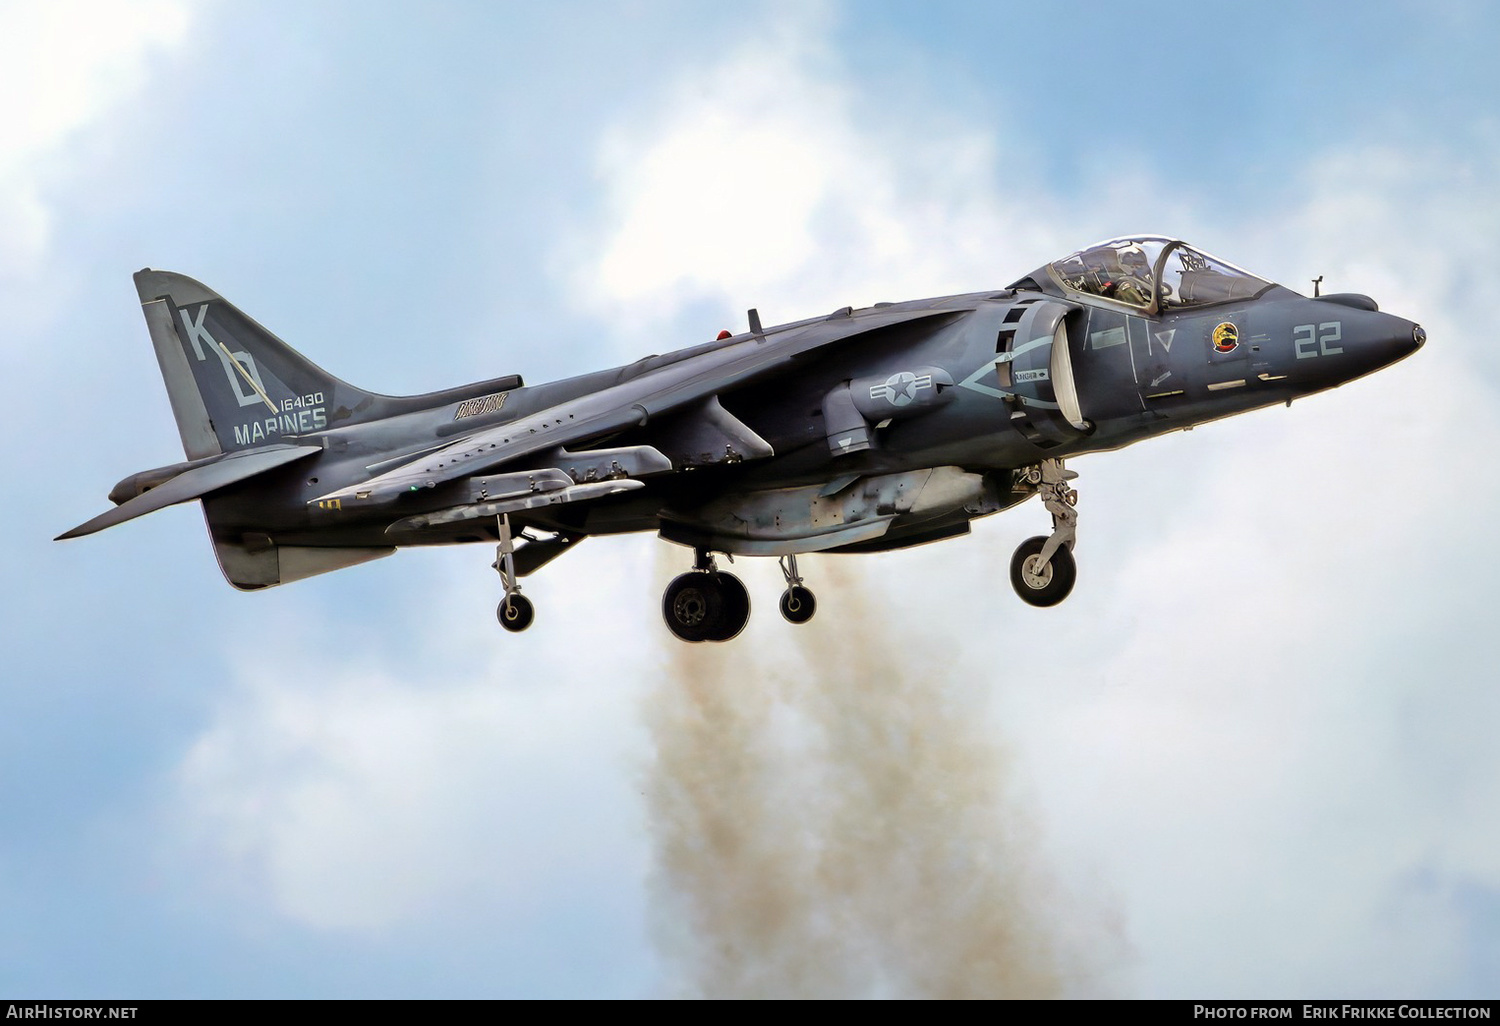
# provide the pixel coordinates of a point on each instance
(705, 604)
(1042, 571)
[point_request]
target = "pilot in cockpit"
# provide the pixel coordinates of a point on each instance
(1128, 277)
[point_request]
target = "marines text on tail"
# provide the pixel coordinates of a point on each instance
(859, 431)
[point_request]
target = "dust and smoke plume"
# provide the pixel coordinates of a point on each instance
(831, 819)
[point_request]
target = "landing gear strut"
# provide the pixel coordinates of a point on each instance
(705, 604)
(1042, 571)
(515, 611)
(797, 603)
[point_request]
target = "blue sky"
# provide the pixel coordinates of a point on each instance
(1251, 756)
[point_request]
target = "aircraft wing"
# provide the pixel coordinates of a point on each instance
(674, 386)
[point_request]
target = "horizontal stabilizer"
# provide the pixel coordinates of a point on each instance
(194, 483)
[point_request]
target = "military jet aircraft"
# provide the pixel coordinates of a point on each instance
(859, 431)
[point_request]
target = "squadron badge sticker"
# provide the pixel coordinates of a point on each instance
(1226, 338)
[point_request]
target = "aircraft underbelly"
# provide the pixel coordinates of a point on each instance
(254, 561)
(812, 518)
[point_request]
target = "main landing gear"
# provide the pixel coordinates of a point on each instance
(515, 611)
(705, 604)
(1042, 571)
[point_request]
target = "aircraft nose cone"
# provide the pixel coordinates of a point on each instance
(1377, 340)
(1407, 339)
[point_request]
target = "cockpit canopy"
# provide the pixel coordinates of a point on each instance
(1147, 272)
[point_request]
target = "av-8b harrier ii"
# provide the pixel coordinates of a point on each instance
(859, 431)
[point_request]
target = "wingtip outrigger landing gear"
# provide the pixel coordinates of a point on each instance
(797, 603)
(1042, 571)
(705, 604)
(515, 611)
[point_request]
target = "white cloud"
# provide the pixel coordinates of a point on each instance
(759, 184)
(385, 777)
(359, 801)
(63, 65)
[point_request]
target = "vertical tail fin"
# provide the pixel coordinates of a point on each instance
(234, 385)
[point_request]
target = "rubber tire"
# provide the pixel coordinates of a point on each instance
(1064, 572)
(515, 613)
(691, 604)
(798, 604)
(734, 612)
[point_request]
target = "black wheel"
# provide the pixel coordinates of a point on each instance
(1054, 581)
(691, 604)
(798, 604)
(734, 613)
(515, 613)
